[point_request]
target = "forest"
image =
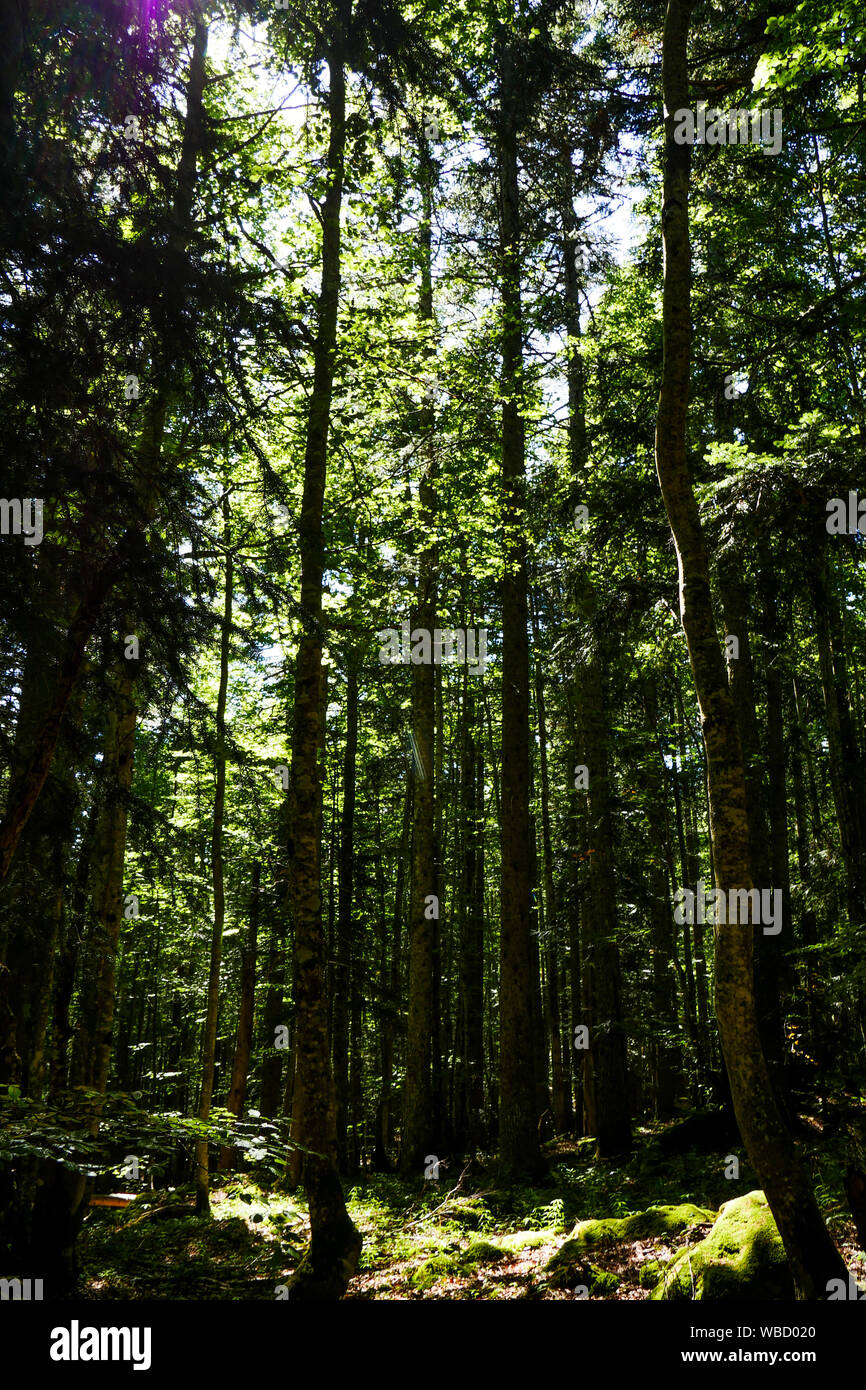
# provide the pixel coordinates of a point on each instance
(433, 650)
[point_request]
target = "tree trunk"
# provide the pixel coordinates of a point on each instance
(244, 1039)
(389, 983)
(560, 1097)
(600, 950)
(772, 972)
(812, 1254)
(420, 1104)
(741, 679)
(845, 771)
(202, 1199)
(341, 976)
(335, 1244)
(518, 1122)
(666, 1072)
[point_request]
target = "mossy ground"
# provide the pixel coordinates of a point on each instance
(481, 1242)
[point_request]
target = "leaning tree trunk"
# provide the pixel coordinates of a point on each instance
(335, 1243)
(813, 1257)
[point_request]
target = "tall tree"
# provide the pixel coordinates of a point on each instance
(335, 1244)
(813, 1256)
(518, 1122)
(202, 1165)
(418, 1136)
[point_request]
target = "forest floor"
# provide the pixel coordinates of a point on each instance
(460, 1237)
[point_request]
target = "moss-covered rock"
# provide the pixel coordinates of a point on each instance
(527, 1240)
(455, 1264)
(741, 1258)
(649, 1273)
(568, 1268)
(481, 1252)
(469, 1212)
(642, 1225)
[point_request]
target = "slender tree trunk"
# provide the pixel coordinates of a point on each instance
(356, 1074)
(202, 1199)
(420, 1102)
(518, 1122)
(335, 1244)
(813, 1256)
(273, 1015)
(845, 771)
(600, 950)
(561, 1100)
(470, 1088)
(686, 971)
(390, 988)
(107, 880)
(663, 1051)
(770, 950)
(244, 1037)
(741, 678)
(344, 953)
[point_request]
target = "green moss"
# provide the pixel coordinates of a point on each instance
(469, 1212)
(527, 1240)
(741, 1258)
(657, 1221)
(650, 1273)
(456, 1263)
(568, 1268)
(602, 1281)
(481, 1252)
